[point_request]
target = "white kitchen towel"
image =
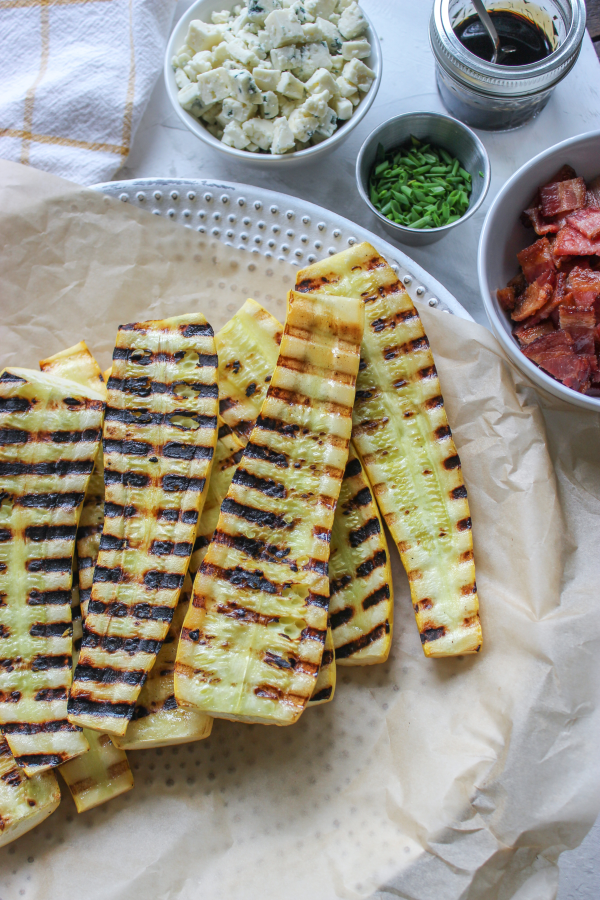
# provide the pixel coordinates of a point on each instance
(76, 76)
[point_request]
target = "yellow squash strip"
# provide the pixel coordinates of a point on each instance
(160, 432)
(253, 638)
(49, 435)
(24, 802)
(99, 775)
(360, 579)
(247, 347)
(402, 434)
(157, 720)
(78, 364)
(103, 772)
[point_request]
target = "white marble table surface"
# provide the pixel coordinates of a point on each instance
(163, 147)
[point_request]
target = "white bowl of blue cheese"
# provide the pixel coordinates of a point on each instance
(273, 80)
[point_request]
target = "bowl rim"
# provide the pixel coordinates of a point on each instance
(508, 342)
(405, 229)
(203, 134)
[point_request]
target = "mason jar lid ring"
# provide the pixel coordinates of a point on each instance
(505, 81)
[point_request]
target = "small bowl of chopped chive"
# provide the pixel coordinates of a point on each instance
(422, 174)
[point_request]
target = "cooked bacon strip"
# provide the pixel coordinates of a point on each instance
(533, 218)
(592, 198)
(579, 324)
(559, 296)
(554, 353)
(584, 285)
(570, 242)
(535, 298)
(587, 221)
(507, 298)
(527, 334)
(562, 197)
(537, 261)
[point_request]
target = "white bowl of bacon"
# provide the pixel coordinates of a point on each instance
(539, 269)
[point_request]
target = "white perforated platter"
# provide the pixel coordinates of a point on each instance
(273, 225)
(251, 813)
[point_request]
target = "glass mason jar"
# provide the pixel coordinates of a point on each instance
(494, 97)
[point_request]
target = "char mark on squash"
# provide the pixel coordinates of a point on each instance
(38, 533)
(118, 610)
(113, 644)
(170, 548)
(442, 433)
(13, 436)
(163, 581)
(49, 564)
(459, 493)
(49, 598)
(242, 578)
(67, 500)
(197, 330)
(352, 468)
(322, 534)
(256, 451)
(362, 534)
(37, 760)
(453, 462)
(369, 565)
(181, 484)
(382, 593)
(129, 448)
(10, 376)
(253, 547)
(110, 542)
(265, 485)
(269, 424)
(313, 634)
(323, 694)
(15, 405)
(60, 469)
(81, 706)
(52, 727)
(127, 479)
(432, 634)
(338, 584)
(242, 614)
(90, 435)
(363, 641)
(317, 600)
(251, 514)
(48, 695)
(109, 675)
(176, 450)
(51, 629)
(115, 511)
(341, 617)
(106, 575)
(43, 663)
(278, 662)
(464, 524)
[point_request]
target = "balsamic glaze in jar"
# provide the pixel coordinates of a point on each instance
(514, 30)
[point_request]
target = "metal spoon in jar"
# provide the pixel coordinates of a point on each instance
(499, 52)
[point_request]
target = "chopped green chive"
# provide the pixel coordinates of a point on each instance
(419, 186)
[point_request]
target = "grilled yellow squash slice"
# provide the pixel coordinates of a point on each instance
(78, 364)
(247, 348)
(402, 434)
(103, 772)
(99, 775)
(160, 431)
(361, 601)
(49, 436)
(253, 638)
(24, 802)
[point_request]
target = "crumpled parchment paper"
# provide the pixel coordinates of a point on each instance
(424, 779)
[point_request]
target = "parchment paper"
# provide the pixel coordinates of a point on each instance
(424, 779)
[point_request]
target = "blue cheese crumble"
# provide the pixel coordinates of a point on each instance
(275, 76)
